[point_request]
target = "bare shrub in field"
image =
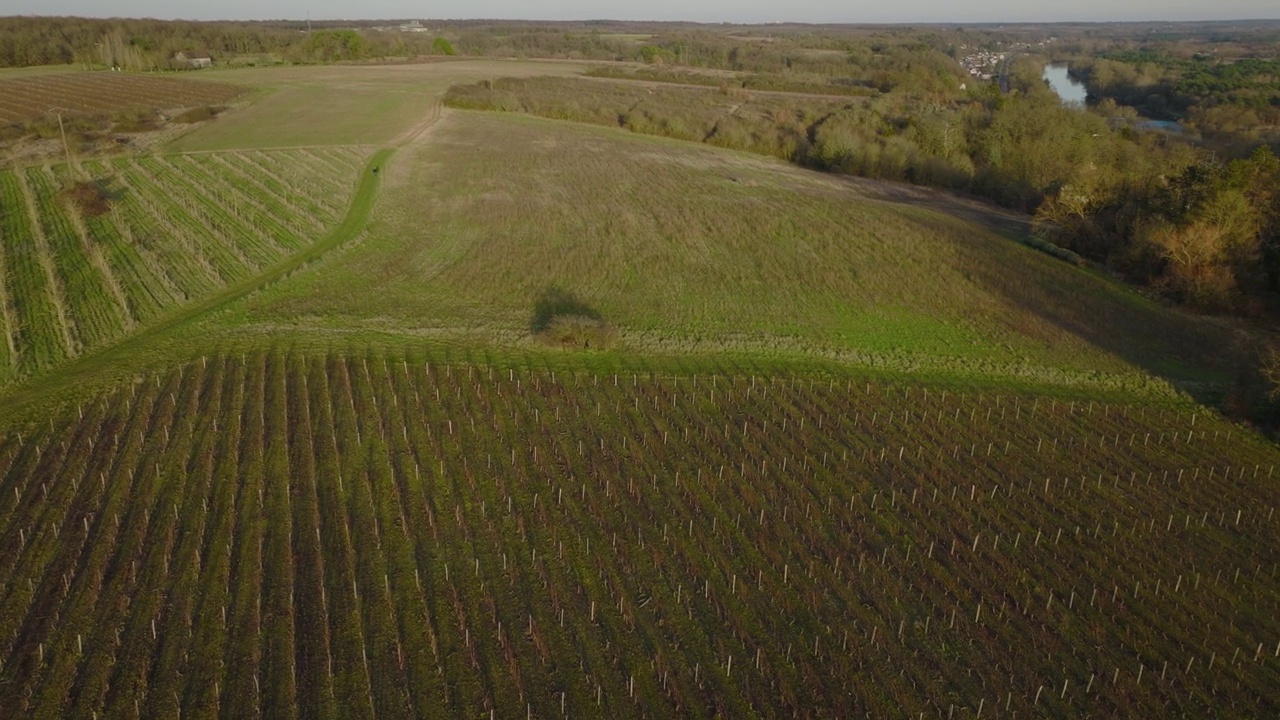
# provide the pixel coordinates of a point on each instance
(580, 331)
(561, 319)
(91, 197)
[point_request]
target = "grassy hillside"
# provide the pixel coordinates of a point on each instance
(382, 536)
(691, 250)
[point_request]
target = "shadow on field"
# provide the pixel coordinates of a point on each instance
(1048, 299)
(555, 302)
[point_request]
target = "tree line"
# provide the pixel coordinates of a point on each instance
(149, 45)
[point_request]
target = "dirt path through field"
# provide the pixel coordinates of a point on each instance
(419, 130)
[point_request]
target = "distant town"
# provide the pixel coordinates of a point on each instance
(985, 64)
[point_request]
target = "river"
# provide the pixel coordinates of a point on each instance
(1073, 94)
(1071, 91)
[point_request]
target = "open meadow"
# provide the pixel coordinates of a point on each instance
(694, 250)
(345, 404)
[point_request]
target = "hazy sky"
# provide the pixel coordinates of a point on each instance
(706, 11)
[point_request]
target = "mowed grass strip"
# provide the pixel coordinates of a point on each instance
(688, 249)
(628, 544)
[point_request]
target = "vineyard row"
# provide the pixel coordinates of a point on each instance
(177, 228)
(283, 534)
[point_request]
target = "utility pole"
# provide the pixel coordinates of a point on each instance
(65, 147)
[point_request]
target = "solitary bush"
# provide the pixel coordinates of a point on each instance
(579, 331)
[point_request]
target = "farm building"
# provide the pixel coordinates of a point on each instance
(192, 60)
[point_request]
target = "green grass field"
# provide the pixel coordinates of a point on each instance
(342, 105)
(283, 436)
(691, 250)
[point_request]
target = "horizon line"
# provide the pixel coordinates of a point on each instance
(759, 23)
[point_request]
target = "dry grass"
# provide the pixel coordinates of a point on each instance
(344, 105)
(724, 114)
